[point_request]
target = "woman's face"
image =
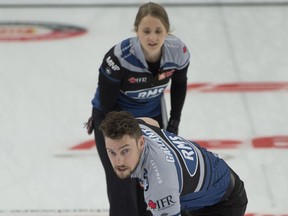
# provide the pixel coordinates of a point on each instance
(151, 33)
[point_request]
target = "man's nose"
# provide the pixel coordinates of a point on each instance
(119, 160)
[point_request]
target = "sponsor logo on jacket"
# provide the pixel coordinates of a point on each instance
(157, 173)
(162, 203)
(133, 80)
(144, 182)
(146, 93)
(186, 152)
(112, 64)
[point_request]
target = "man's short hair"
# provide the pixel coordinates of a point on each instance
(119, 123)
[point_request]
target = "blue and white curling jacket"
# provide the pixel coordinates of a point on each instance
(128, 82)
(178, 174)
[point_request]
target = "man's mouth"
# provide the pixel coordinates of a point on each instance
(121, 169)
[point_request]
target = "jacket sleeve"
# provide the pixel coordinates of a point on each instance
(178, 92)
(109, 82)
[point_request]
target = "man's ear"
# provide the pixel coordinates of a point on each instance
(141, 142)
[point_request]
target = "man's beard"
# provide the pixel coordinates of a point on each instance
(125, 172)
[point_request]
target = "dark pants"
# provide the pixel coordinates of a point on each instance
(126, 197)
(234, 205)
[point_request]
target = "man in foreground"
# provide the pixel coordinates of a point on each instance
(179, 177)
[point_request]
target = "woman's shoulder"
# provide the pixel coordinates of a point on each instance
(126, 44)
(123, 47)
(117, 50)
(174, 43)
(172, 39)
(177, 49)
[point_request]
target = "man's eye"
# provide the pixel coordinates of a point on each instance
(125, 151)
(111, 153)
(147, 32)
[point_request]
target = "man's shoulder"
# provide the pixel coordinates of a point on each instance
(149, 121)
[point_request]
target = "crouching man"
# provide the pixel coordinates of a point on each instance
(179, 177)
